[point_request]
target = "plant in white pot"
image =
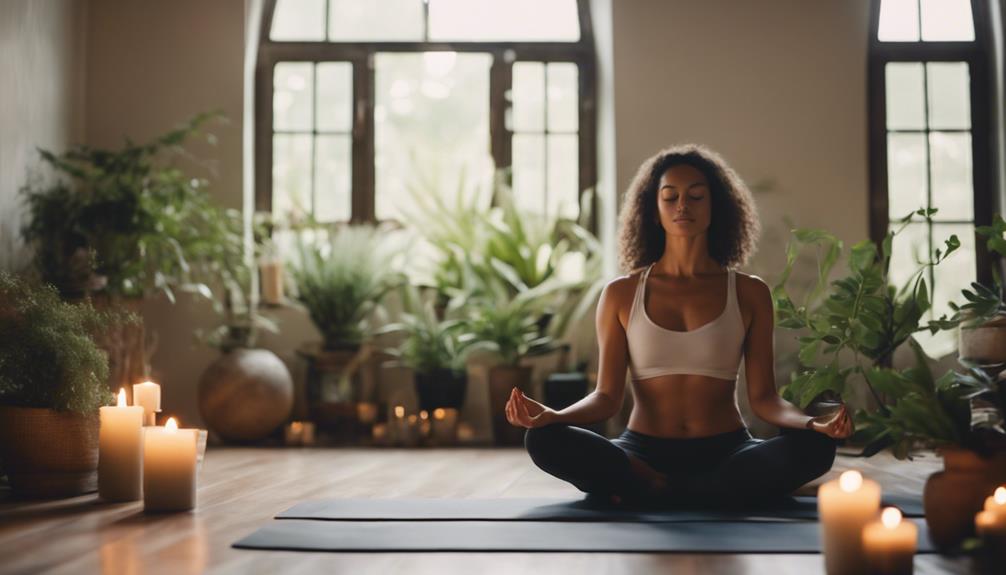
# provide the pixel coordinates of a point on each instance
(53, 379)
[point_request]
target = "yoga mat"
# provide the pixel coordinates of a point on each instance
(699, 537)
(797, 508)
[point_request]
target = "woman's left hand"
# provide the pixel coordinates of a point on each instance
(839, 426)
(522, 411)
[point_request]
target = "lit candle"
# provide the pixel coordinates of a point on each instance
(148, 396)
(399, 426)
(889, 544)
(466, 433)
(846, 505)
(272, 281)
(412, 430)
(445, 421)
(366, 412)
(379, 433)
(293, 433)
(991, 528)
(996, 503)
(169, 468)
(424, 424)
(120, 451)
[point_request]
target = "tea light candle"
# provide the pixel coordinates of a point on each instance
(293, 433)
(996, 503)
(846, 505)
(379, 433)
(889, 544)
(148, 396)
(366, 412)
(399, 426)
(465, 432)
(990, 526)
(413, 431)
(444, 426)
(424, 423)
(120, 451)
(169, 468)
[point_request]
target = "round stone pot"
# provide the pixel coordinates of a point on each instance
(47, 453)
(985, 343)
(953, 496)
(245, 394)
(441, 388)
(503, 378)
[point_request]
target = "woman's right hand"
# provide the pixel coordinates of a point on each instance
(522, 411)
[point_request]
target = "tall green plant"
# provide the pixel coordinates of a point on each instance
(126, 222)
(341, 276)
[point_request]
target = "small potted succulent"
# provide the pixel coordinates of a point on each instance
(53, 379)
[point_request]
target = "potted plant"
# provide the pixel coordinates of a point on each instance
(435, 349)
(341, 275)
(982, 337)
(53, 378)
(247, 392)
(120, 225)
(866, 317)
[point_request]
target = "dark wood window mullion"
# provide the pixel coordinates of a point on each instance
(929, 170)
(500, 138)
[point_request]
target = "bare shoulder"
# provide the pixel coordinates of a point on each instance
(753, 293)
(619, 293)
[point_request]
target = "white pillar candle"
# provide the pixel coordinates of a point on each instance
(846, 505)
(272, 281)
(889, 544)
(444, 427)
(148, 396)
(169, 468)
(120, 451)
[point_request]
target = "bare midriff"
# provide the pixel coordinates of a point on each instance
(684, 406)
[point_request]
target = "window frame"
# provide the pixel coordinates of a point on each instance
(976, 55)
(361, 56)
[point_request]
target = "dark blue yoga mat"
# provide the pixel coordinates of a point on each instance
(533, 536)
(798, 508)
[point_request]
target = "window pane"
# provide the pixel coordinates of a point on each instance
(899, 21)
(904, 96)
(908, 248)
(498, 20)
(291, 99)
(949, 95)
(562, 97)
(298, 20)
(375, 20)
(950, 154)
(906, 174)
(335, 96)
(431, 116)
(563, 176)
(291, 175)
(528, 97)
(947, 20)
(529, 172)
(333, 178)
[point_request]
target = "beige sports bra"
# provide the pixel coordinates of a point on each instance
(713, 349)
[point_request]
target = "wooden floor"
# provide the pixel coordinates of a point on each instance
(240, 489)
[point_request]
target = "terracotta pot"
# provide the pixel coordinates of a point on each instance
(953, 496)
(984, 344)
(503, 378)
(47, 453)
(441, 388)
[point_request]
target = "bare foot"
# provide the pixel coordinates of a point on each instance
(656, 482)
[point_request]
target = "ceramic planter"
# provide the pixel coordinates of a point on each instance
(953, 496)
(984, 344)
(245, 394)
(47, 453)
(441, 388)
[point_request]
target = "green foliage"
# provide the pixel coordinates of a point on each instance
(341, 275)
(985, 303)
(430, 343)
(48, 358)
(125, 221)
(865, 317)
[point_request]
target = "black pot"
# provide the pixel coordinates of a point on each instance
(565, 389)
(441, 388)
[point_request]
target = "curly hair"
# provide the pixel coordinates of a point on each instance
(734, 227)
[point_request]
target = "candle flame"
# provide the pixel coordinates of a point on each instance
(439, 413)
(171, 425)
(423, 414)
(399, 411)
(121, 400)
(891, 517)
(1000, 495)
(850, 481)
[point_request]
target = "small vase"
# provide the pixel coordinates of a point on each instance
(503, 378)
(441, 388)
(245, 394)
(47, 453)
(954, 495)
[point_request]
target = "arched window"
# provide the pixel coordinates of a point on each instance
(358, 103)
(930, 141)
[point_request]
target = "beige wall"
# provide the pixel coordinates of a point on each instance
(41, 98)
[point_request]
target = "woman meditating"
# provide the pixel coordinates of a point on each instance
(687, 222)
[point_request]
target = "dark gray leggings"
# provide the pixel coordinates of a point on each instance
(731, 467)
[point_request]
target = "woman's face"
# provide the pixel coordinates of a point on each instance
(683, 201)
